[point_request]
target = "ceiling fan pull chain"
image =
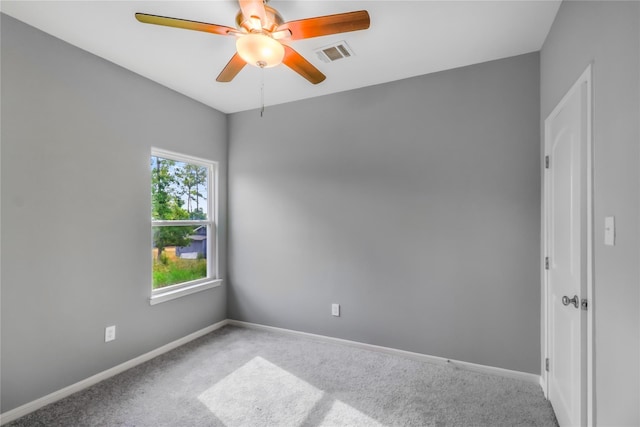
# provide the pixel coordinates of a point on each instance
(261, 65)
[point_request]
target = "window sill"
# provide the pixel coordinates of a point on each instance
(177, 293)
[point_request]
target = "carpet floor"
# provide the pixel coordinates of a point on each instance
(243, 377)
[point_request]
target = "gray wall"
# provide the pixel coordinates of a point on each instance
(76, 138)
(414, 204)
(607, 34)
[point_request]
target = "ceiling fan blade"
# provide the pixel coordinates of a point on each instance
(325, 25)
(297, 63)
(185, 24)
(232, 68)
(254, 8)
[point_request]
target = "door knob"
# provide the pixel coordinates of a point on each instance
(566, 301)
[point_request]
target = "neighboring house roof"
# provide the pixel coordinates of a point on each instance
(200, 230)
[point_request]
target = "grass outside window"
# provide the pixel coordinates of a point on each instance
(171, 270)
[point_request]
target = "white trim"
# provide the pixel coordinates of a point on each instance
(180, 222)
(585, 78)
(186, 158)
(483, 369)
(159, 297)
(591, 416)
(27, 408)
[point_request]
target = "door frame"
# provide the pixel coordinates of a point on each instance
(585, 78)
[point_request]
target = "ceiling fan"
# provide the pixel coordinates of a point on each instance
(262, 36)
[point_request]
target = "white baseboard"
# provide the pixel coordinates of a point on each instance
(27, 408)
(523, 376)
(543, 385)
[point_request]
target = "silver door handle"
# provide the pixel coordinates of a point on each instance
(566, 301)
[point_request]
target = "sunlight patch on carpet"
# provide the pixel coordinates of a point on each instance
(342, 414)
(261, 393)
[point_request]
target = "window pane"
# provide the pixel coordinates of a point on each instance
(178, 190)
(179, 254)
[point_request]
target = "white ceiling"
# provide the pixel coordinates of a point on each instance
(406, 38)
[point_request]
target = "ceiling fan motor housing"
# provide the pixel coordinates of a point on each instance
(273, 17)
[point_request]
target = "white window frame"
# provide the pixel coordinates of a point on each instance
(212, 280)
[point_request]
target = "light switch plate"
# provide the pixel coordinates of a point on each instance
(609, 231)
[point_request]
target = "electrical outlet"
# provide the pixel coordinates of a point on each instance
(335, 310)
(110, 333)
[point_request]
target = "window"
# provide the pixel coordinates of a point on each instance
(183, 225)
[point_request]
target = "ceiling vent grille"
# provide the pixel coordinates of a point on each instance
(334, 52)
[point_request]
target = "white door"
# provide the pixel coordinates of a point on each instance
(566, 188)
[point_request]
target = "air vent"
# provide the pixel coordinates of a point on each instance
(334, 52)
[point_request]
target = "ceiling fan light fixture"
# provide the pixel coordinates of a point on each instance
(259, 31)
(260, 50)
